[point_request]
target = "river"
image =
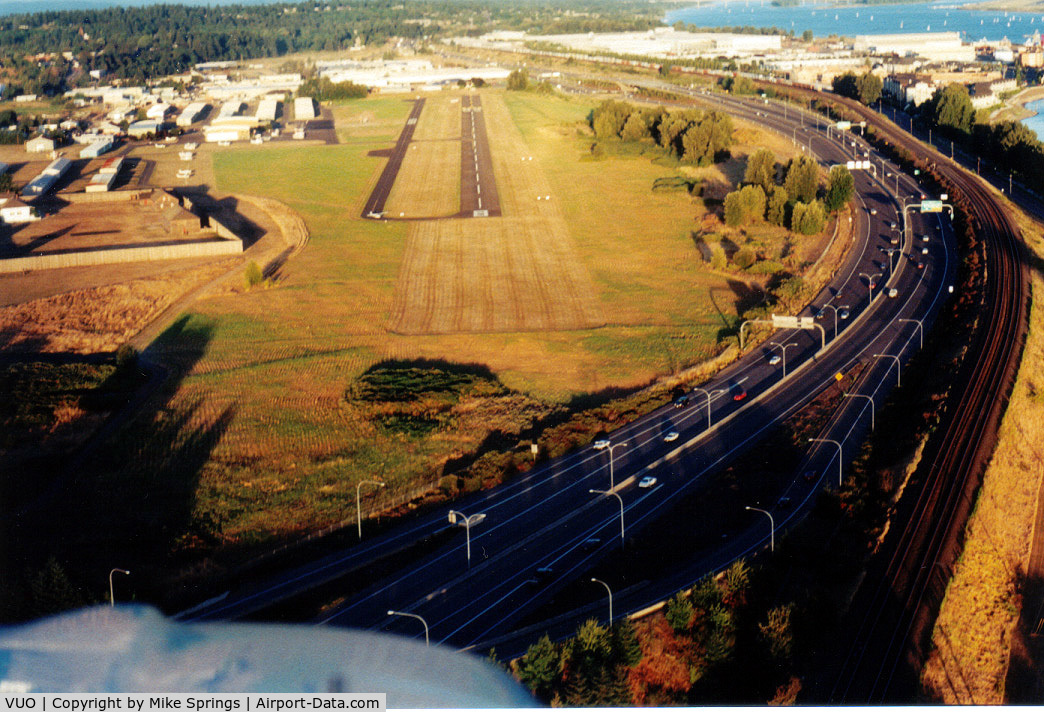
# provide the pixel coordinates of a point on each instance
(852, 20)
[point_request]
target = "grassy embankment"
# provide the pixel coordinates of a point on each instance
(973, 634)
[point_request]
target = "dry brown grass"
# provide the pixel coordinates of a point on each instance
(973, 633)
(96, 319)
(513, 273)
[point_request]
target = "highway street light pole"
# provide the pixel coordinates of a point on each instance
(706, 393)
(414, 615)
(468, 521)
(920, 333)
(834, 309)
(618, 497)
(898, 367)
(839, 455)
(891, 252)
(870, 281)
(861, 395)
(358, 505)
(784, 348)
(772, 526)
(112, 594)
(610, 448)
(594, 580)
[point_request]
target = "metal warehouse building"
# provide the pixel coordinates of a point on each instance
(46, 180)
(304, 108)
(97, 148)
(268, 110)
(192, 113)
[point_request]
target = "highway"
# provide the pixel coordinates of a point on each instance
(539, 531)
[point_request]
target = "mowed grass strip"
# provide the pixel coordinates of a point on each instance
(428, 184)
(513, 273)
(440, 120)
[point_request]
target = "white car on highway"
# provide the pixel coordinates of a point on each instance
(647, 482)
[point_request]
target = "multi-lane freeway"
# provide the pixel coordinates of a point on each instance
(546, 528)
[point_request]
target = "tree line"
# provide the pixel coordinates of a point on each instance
(691, 135)
(1010, 145)
(142, 43)
(696, 652)
(789, 198)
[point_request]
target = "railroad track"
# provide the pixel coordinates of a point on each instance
(890, 622)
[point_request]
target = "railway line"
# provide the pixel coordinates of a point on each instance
(891, 618)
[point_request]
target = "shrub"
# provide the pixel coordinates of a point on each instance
(253, 275)
(744, 258)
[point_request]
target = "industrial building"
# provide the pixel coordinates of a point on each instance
(404, 75)
(39, 145)
(230, 108)
(112, 165)
(231, 128)
(43, 183)
(159, 111)
(97, 148)
(101, 183)
(140, 129)
(268, 110)
(661, 42)
(304, 108)
(934, 46)
(192, 113)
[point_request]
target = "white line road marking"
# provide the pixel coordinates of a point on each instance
(480, 202)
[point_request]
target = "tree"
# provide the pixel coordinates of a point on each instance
(808, 218)
(708, 136)
(868, 88)
(679, 612)
(775, 631)
(609, 118)
(744, 206)
(736, 84)
(807, 36)
(636, 127)
(518, 80)
(6, 183)
(845, 84)
(951, 108)
(626, 648)
(539, 667)
(776, 206)
(802, 181)
(761, 169)
(841, 188)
